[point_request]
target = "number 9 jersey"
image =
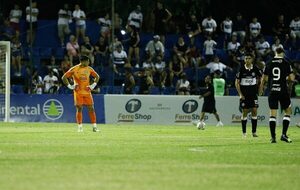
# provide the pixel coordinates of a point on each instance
(277, 70)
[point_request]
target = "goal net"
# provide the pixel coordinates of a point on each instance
(4, 81)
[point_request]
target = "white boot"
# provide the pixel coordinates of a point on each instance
(80, 129)
(220, 124)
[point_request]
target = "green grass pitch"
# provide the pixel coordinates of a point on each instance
(51, 156)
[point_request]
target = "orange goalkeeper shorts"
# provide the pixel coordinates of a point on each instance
(83, 99)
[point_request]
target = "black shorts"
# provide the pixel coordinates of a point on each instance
(209, 107)
(249, 102)
(283, 98)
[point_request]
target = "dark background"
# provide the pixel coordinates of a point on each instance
(265, 10)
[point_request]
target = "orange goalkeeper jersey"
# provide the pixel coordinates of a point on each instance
(81, 76)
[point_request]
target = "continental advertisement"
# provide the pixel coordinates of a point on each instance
(49, 108)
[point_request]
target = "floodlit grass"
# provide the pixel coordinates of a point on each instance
(51, 156)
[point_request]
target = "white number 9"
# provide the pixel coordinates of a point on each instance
(276, 73)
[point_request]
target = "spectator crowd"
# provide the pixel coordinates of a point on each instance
(137, 62)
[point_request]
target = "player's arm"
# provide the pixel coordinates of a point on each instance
(259, 77)
(238, 88)
(65, 79)
(95, 79)
(291, 80)
(264, 80)
(205, 94)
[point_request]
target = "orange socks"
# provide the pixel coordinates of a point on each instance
(79, 117)
(92, 115)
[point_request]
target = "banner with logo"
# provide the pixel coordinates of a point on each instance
(50, 108)
(151, 109)
(180, 109)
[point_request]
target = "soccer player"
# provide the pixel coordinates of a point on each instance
(280, 76)
(246, 83)
(209, 104)
(82, 88)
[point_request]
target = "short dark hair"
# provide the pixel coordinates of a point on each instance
(249, 54)
(279, 50)
(84, 58)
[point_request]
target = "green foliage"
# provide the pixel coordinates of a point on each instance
(47, 156)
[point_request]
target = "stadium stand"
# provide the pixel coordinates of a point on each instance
(47, 45)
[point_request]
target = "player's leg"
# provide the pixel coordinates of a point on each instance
(272, 124)
(202, 115)
(273, 104)
(254, 121)
(79, 117)
(285, 103)
(78, 100)
(254, 106)
(244, 121)
(93, 119)
(214, 111)
(92, 114)
(201, 124)
(219, 124)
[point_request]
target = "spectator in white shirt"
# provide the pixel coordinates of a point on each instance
(64, 18)
(160, 71)
(254, 28)
(216, 65)
(14, 18)
(155, 48)
(135, 18)
(233, 45)
(119, 60)
(183, 85)
(79, 17)
(31, 18)
(276, 45)
(209, 26)
(209, 46)
(105, 26)
(295, 29)
(226, 27)
(37, 83)
(50, 83)
(262, 48)
(232, 49)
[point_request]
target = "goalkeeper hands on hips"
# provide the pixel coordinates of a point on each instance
(92, 86)
(71, 86)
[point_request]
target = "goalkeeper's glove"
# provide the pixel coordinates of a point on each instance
(92, 86)
(71, 87)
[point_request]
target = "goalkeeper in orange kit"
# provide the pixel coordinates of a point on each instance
(81, 75)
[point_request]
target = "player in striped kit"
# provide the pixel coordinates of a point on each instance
(280, 77)
(247, 82)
